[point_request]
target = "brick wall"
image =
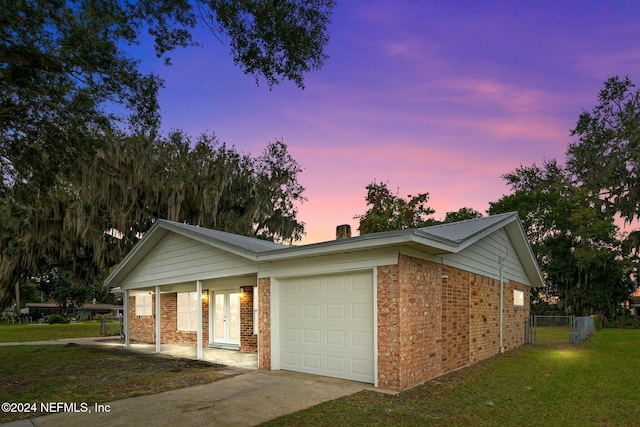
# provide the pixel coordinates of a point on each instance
(455, 318)
(420, 305)
(409, 322)
(485, 317)
(248, 340)
(142, 328)
(388, 327)
(429, 325)
(515, 317)
(264, 325)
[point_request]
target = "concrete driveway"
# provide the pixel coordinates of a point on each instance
(244, 400)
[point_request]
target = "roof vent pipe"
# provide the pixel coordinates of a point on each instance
(343, 231)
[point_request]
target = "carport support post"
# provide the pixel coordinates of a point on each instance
(199, 322)
(125, 307)
(158, 340)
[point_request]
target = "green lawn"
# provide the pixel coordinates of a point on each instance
(595, 383)
(550, 335)
(91, 374)
(44, 332)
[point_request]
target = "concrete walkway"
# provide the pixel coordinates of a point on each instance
(244, 400)
(247, 399)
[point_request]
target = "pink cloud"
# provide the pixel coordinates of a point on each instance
(454, 179)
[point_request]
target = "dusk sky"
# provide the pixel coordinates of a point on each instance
(430, 96)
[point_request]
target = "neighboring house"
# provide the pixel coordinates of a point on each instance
(393, 309)
(634, 303)
(86, 312)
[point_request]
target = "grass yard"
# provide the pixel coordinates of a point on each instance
(552, 335)
(44, 332)
(595, 383)
(92, 374)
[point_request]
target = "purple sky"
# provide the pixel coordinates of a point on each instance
(438, 97)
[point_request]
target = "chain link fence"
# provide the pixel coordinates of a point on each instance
(583, 327)
(558, 329)
(111, 325)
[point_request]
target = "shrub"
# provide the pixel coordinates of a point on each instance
(98, 317)
(56, 318)
(626, 322)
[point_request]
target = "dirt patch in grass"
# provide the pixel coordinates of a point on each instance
(92, 374)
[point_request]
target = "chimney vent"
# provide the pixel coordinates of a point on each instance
(343, 231)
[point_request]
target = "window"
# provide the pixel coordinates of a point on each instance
(518, 298)
(143, 305)
(187, 311)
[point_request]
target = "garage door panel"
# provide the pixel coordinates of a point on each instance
(312, 311)
(361, 340)
(335, 286)
(334, 324)
(290, 336)
(361, 367)
(289, 311)
(335, 311)
(290, 358)
(335, 338)
(361, 311)
(312, 361)
(312, 336)
(311, 287)
(337, 365)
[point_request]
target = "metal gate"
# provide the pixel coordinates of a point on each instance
(558, 329)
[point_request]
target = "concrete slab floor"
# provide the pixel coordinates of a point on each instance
(231, 358)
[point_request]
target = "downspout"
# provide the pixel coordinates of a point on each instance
(501, 308)
(501, 260)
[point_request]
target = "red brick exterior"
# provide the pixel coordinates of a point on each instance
(142, 328)
(432, 319)
(248, 340)
(429, 325)
(264, 323)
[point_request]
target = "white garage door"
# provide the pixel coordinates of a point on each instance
(326, 325)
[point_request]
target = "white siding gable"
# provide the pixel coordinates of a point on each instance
(485, 256)
(179, 259)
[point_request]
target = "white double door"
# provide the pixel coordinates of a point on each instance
(225, 317)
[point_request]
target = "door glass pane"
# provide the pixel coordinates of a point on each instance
(234, 317)
(218, 318)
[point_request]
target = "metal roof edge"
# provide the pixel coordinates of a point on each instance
(474, 237)
(364, 242)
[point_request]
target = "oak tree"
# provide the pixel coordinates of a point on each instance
(606, 157)
(83, 171)
(388, 211)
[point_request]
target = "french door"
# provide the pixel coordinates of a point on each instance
(226, 318)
